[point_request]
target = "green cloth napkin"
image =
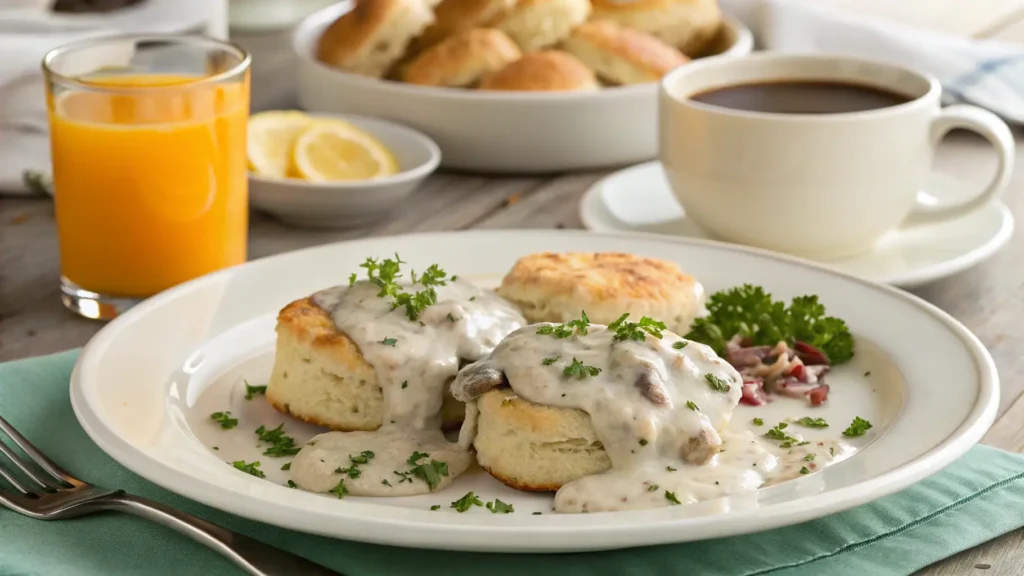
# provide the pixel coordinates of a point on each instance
(974, 500)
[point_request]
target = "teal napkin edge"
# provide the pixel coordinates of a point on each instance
(974, 500)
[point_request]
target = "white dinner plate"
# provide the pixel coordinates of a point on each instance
(145, 386)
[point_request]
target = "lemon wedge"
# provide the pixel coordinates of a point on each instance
(332, 150)
(272, 136)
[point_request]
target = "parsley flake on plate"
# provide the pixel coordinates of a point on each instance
(550, 361)
(579, 371)
(692, 406)
(251, 469)
(858, 427)
(499, 507)
(339, 490)
(224, 419)
(812, 422)
(758, 422)
(280, 443)
(680, 345)
(466, 502)
(671, 497)
(567, 329)
(253, 391)
(637, 331)
(717, 384)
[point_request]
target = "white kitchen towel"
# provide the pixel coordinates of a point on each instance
(986, 73)
(28, 30)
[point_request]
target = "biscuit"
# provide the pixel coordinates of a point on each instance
(621, 55)
(534, 447)
(369, 39)
(539, 24)
(688, 25)
(462, 59)
(551, 287)
(454, 16)
(550, 70)
(321, 377)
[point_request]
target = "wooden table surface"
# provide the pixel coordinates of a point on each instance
(988, 299)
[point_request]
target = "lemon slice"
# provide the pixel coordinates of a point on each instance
(271, 138)
(331, 150)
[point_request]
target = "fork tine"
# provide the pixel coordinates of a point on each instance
(14, 481)
(38, 457)
(41, 480)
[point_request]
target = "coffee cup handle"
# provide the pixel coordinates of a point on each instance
(993, 129)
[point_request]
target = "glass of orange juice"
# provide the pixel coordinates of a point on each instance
(148, 138)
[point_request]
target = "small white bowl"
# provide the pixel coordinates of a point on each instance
(350, 204)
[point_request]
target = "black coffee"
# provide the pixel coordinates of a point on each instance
(797, 97)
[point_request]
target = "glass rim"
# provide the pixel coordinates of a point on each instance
(245, 60)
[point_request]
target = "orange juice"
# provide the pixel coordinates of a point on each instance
(150, 180)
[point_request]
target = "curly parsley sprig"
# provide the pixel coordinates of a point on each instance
(637, 330)
(385, 275)
(751, 312)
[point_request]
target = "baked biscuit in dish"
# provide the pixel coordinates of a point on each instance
(689, 25)
(463, 59)
(539, 24)
(454, 16)
(369, 39)
(321, 377)
(550, 287)
(550, 70)
(621, 55)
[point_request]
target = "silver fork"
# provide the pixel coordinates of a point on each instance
(53, 494)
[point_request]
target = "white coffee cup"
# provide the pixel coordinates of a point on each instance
(817, 185)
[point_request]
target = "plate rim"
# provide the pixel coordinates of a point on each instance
(593, 200)
(410, 533)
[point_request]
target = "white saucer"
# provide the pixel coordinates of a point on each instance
(638, 199)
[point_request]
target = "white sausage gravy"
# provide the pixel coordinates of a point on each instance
(659, 406)
(414, 361)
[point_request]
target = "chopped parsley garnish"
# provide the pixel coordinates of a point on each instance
(499, 507)
(643, 441)
(858, 427)
(404, 476)
(386, 483)
(652, 488)
(812, 422)
(467, 501)
(804, 470)
(431, 473)
(537, 513)
(751, 312)
(671, 497)
(389, 342)
(454, 277)
(832, 451)
(252, 469)
(416, 457)
(637, 331)
(579, 371)
(717, 384)
(435, 507)
(405, 384)
(385, 273)
(680, 345)
(809, 457)
(352, 279)
(472, 298)
(567, 329)
(340, 489)
(353, 470)
(550, 361)
(253, 391)
(224, 419)
(291, 484)
(280, 443)
(216, 447)
(670, 469)
(364, 457)
(286, 466)
(758, 422)
(777, 433)
(451, 318)
(692, 406)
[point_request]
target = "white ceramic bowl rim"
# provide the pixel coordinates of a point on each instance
(419, 171)
(742, 45)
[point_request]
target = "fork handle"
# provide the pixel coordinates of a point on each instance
(249, 554)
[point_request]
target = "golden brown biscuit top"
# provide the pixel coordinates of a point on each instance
(453, 16)
(349, 33)
(604, 276)
(638, 5)
(478, 45)
(642, 50)
(550, 70)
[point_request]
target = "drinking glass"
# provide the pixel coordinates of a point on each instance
(148, 138)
